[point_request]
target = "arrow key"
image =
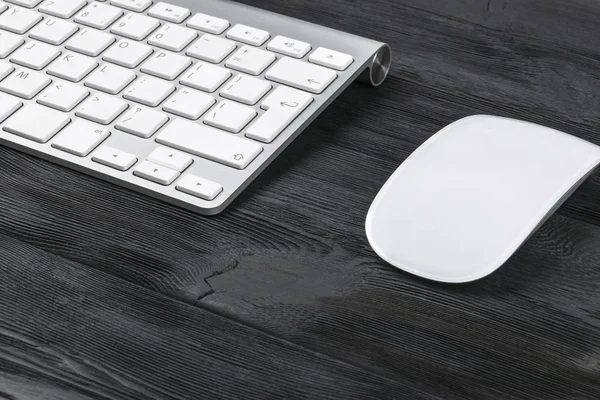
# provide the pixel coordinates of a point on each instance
(114, 158)
(199, 187)
(156, 173)
(170, 158)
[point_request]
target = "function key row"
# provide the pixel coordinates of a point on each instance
(171, 37)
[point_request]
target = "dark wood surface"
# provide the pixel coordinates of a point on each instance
(108, 294)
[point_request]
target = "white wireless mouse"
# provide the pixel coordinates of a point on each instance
(466, 199)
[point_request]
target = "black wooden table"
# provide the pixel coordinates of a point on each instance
(108, 294)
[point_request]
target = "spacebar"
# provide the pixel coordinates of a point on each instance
(209, 143)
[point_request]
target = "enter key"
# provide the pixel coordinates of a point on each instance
(283, 106)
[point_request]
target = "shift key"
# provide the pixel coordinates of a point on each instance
(209, 143)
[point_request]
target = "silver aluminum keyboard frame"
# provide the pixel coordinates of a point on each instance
(371, 64)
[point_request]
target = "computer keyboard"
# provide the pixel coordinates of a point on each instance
(184, 102)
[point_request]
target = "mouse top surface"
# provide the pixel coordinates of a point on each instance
(465, 200)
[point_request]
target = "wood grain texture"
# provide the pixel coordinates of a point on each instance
(91, 336)
(287, 267)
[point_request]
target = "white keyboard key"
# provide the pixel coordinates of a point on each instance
(189, 103)
(133, 5)
(90, 42)
(209, 143)
(8, 105)
(135, 26)
(206, 77)
(80, 138)
(62, 8)
(98, 15)
(35, 55)
(248, 35)
(37, 123)
(127, 53)
(250, 60)
(283, 106)
(172, 37)
(301, 75)
(155, 173)
(101, 108)
(25, 83)
(331, 59)
(199, 187)
(19, 20)
(169, 12)
(25, 3)
(211, 48)
(5, 69)
(3, 7)
(209, 24)
(246, 89)
(289, 47)
(63, 96)
(170, 158)
(149, 91)
(166, 65)
(141, 121)
(53, 31)
(9, 42)
(114, 158)
(110, 78)
(230, 116)
(72, 66)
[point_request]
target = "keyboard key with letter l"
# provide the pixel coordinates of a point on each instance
(209, 143)
(301, 75)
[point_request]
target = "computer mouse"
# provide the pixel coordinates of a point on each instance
(459, 206)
